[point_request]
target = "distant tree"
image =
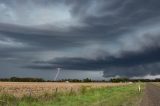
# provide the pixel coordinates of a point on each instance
(16, 79)
(119, 80)
(87, 80)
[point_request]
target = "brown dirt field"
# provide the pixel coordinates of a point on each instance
(19, 89)
(152, 95)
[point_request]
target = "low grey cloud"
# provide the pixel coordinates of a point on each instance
(118, 36)
(129, 64)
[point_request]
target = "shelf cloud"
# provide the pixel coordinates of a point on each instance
(118, 37)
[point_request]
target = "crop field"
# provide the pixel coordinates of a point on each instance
(20, 89)
(68, 94)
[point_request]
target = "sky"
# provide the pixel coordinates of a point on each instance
(98, 39)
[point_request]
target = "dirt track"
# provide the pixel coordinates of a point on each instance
(151, 96)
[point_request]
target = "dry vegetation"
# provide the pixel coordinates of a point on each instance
(20, 89)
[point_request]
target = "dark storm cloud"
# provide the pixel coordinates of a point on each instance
(115, 66)
(116, 15)
(120, 37)
(40, 38)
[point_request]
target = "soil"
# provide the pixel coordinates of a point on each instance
(151, 96)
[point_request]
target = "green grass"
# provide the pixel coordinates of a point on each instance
(113, 96)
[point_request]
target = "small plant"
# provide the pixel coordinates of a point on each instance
(83, 89)
(29, 98)
(6, 99)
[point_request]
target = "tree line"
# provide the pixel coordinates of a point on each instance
(16, 79)
(114, 80)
